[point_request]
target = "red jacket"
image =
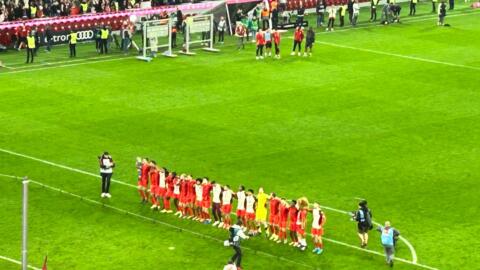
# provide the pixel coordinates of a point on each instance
(276, 37)
(298, 35)
(260, 38)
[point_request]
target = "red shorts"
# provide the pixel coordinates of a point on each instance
(142, 183)
(250, 216)
(206, 203)
(317, 232)
(176, 196)
(169, 193)
(154, 190)
(198, 203)
(162, 191)
(293, 227)
(283, 224)
(226, 209)
(300, 230)
(273, 219)
(191, 199)
(240, 212)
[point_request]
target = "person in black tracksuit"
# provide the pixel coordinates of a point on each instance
(363, 217)
(350, 11)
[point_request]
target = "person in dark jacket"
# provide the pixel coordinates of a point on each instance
(179, 20)
(442, 12)
(310, 39)
(350, 11)
(48, 38)
(363, 217)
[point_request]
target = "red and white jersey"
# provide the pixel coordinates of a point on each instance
(217, 191)
(250, 204)
(241, 200)
(198, 192)
(176, 186)
(162, 179)
(301, 217)
(318, 219)
(227, 197)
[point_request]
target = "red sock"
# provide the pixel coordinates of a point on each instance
(154, 200)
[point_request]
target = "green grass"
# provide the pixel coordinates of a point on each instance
(345, 123)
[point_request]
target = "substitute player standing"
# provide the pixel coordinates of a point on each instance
(318, 222)
(106, 171)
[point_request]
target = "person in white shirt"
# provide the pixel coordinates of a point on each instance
(227, 195)
(240, 195)
(356, 12)
(236, 235)
(332, 12)
(106, 171)
(250, 203)
(216, 203)
(221, 27)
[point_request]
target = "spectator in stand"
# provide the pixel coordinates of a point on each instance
(222, 26)
(300, 14)
(282, 5)
(84, 7)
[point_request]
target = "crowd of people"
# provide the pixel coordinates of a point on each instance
(282, 220)
(11, 10)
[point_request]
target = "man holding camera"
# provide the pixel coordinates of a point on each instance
(106, 170)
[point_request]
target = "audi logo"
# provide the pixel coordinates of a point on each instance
(81, 35)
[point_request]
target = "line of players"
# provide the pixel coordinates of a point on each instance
(196, 198)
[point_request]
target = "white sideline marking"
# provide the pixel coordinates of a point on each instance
(61, 166)
(409, 245)
(38, 64)
(17, 262)
(68, 65)
(399, 56)
(213, 238)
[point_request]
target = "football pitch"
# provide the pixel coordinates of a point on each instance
(386, 113)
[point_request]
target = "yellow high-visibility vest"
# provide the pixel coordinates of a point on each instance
(73, 38)
(33, 11)
(31, 42)
(104, 34)
(84, 7)
(344, 10)
(375, 2)
(414, 1)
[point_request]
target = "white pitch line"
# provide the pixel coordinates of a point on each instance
(39, 64)
(17, 262)
(399, 56)
(68, 65)
(409, 245)
(62, 166)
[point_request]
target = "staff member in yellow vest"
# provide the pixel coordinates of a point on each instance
(433, 6)
(33, 11)
(343, 11)
(413, 7)
(72, 42)
(104, 39)
(30, 47)
(84, 7)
